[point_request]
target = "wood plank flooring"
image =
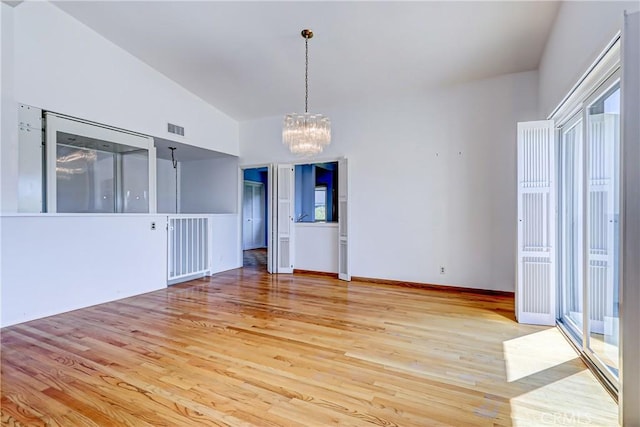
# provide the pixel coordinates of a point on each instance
(246, 348)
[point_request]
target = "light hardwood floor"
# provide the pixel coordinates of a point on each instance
(247, 348)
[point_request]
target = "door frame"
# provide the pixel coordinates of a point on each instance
(268, 195)
(610, 81)
(342, 187)
(601, 76)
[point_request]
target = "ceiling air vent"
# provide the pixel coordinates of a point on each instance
(178, 130)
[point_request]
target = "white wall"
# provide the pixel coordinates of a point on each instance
(581, 32)
(432, 180)
(316, 247)
(209, 185)
(84, 260)
(51, 61)
(225, 250)
(63, 66)
(8, 116)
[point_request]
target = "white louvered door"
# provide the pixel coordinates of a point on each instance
(536, 288)
(284, 219)
(343, 221)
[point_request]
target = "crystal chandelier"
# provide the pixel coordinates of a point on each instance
(306, 134)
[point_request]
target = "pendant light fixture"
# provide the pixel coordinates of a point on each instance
(306, 134)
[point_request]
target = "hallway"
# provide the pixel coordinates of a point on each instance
(255, 258)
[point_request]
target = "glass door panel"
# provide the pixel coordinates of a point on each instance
(99, 176)
(570, 225)
(134, 195)
(85, 180)
(602, 231)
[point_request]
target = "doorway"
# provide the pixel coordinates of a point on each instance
(254, 217)
(275, 188)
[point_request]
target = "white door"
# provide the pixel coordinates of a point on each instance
(343, 221)
(281, 248)
(536, 289)
(253, 215)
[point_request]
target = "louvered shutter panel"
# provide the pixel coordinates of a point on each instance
(343, 221)
(536, 284)
(285, 244)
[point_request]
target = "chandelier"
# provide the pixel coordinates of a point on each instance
(306, 134)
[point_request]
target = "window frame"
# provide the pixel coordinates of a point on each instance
(321, 187)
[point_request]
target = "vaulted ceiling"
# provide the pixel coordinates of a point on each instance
(247, 58)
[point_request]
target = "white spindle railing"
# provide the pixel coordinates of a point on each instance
(188, 246)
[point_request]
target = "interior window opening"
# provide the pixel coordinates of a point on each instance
(316, 192)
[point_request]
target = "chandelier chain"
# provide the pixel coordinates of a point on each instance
(306, 75)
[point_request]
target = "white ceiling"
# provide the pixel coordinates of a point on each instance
(247, 58)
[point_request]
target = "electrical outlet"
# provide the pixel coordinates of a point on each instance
(153, 225)
(442, 270)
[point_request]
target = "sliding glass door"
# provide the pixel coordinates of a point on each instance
(570, 224)
(602, 233)
(588, 234)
